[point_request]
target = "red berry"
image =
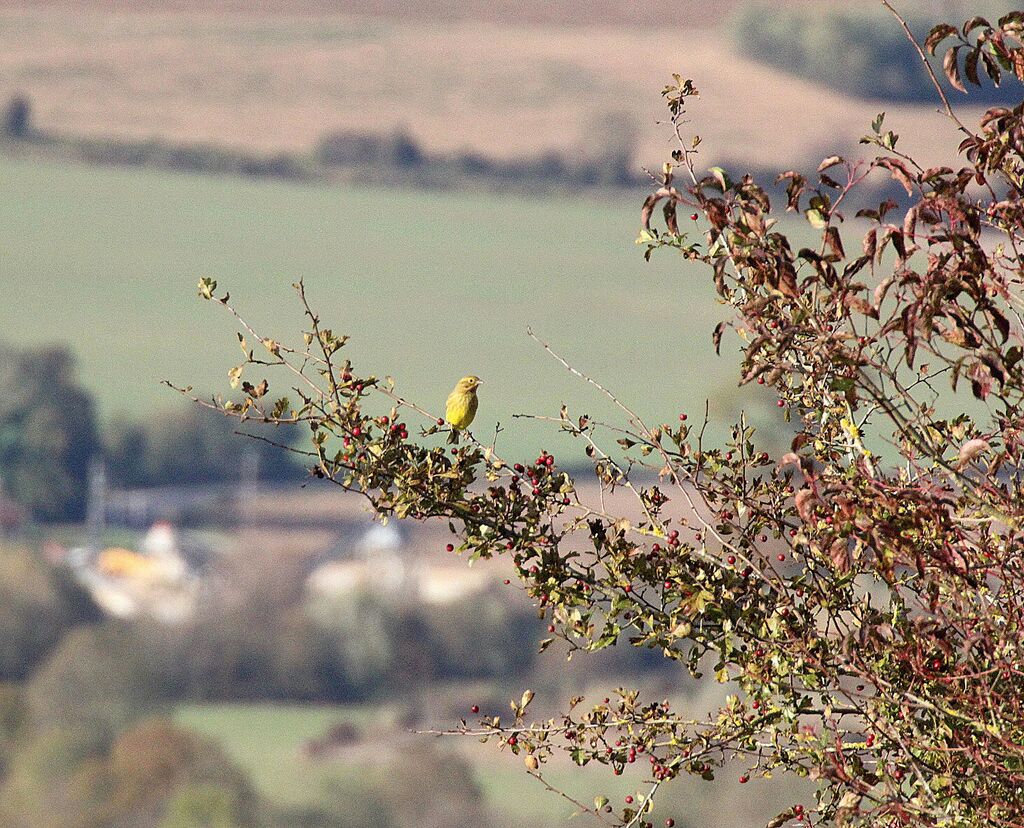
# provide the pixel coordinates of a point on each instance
(670, 822)
(629, 800)
(507, 582)
(731, 560)
(475, 708)
(781, 557)
(449, 547)
(551, 628)
(781, 403)
(627, 588)
(760, 380)
(682, 418)
(440, 421)
(744, 779)
(693, 217)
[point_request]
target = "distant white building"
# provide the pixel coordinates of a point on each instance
(381, 561)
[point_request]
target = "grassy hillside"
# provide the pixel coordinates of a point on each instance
(431, 287)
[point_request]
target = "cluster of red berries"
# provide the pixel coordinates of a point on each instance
(396, 428)
(533, 473)
(347, 377)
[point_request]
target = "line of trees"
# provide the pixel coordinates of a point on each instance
(350, 155)
(50, 432)
(850, 48)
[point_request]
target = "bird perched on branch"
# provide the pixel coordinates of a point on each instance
(461, 407)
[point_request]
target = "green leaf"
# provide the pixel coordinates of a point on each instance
(206, 287)
(722, 177)
(816, 218)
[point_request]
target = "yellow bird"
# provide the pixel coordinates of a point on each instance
(461, 407)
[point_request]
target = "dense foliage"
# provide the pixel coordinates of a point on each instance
(862, 595)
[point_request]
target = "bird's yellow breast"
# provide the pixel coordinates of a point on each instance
(461, 408)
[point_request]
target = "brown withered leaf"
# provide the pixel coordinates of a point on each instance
(855, 303)
(834, 242)
(871, 243)
(804, 501)
(951, 66)
(839, 554)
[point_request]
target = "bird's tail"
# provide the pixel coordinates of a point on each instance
(453, 437)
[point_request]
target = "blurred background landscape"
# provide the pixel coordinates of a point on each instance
(194, 633)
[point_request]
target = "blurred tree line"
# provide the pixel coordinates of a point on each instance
(50, 433)
(854, 48)
(86, 740)
(605, 157)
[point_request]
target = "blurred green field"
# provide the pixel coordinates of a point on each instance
(265, 740)
(431, 286)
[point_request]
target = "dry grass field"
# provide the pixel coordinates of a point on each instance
(281, 75)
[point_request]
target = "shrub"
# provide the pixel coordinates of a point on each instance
(38, 605)
(95, 682)
(860, 595)
(17, 118)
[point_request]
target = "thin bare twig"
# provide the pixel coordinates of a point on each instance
(927, 66)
